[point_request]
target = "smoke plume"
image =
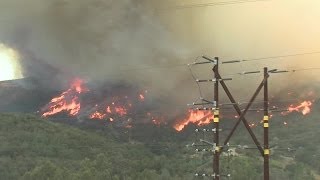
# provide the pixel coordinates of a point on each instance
(118, 41)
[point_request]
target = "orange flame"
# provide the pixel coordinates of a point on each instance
(68, 101)
(97, 115)
(304, 108)
(197, 117)
(141, 96)
(121, 111)
(109, 110)
(102, 115)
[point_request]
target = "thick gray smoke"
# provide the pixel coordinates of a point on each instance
(97, 40)
(113, 40)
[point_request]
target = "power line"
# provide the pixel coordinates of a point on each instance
(276, 72)
(195, 79)
(179, 65)
(281, 56)
(155, 67)
(221, 3)
(267, 58)
(305, 69)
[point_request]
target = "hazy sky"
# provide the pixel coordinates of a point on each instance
(253, 30)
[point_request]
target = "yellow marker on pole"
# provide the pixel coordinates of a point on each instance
(266, 151)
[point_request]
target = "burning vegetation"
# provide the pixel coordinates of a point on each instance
(78, 101)
(68, 101)
(194, 116)
(304, 108)
(126, 106)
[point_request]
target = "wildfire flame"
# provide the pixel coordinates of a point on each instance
(121, 111)
(68, 101)
(196, 117)
(115, 109)
(120, 107)
(109, 110)
(97, 115)
(304, 108)
(141, 96)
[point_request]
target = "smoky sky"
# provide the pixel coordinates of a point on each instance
(112, 40)
(96, 40)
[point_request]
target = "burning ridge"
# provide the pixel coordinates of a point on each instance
(126, 104)
(117, 104)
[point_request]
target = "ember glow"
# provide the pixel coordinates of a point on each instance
(304, 108)
(156, 122)
(141, 96)
(108, 111)
(67, 102)
(97, 115)
(121, 111)
(252, 125)
(196, 117)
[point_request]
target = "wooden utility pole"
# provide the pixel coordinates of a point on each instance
(215, 108)
(266, 126)
(216, 158)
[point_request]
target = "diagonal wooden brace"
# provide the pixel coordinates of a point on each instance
(242, 114)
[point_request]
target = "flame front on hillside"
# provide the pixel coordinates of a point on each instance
(109, 107)
(68, 101)
(121, 107)
(197, 117)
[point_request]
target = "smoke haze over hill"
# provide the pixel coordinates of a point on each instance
(119, 40)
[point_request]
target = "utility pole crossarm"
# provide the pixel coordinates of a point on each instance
(213, 80)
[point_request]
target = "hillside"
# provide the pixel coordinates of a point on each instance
(32, 148)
